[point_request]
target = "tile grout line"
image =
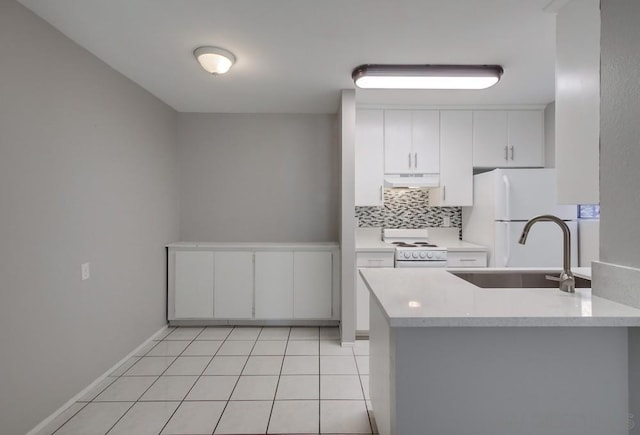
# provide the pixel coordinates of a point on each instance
(111, 383)
(198, 378)
(237, 380)
(74, 414)
(275, 393)
(153, 383)
(222, 341)
(355, 360)
(319, 386)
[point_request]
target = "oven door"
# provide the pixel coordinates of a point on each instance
(434, 263)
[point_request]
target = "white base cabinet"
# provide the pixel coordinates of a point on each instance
(193, 277)
(362, 306)
(467, 259)
(274, 285)
(266, 282)
(312, 285)
(366, 260)
(233, 285)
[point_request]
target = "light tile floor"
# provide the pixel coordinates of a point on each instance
(225, 380)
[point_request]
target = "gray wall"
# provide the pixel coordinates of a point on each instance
(258, 177)
(550, 135)
(620, 133)
(87, 173)
(619, 174)
(347, 122)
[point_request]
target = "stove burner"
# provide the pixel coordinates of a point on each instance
(415, 245)
(404, 245)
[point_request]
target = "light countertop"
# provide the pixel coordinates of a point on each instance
(436, 298)
(460, 246)
(255, 246)
(582, 272)
(370, 240)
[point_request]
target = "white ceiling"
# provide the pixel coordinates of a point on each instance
(294, 56)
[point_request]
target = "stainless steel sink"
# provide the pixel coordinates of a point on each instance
(508, 279)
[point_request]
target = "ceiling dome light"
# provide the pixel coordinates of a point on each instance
(426, 76)
(214, 60)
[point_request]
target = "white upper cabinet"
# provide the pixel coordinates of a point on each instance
(456, 162)
(425, 128)
(411, 142)
(233, 273)
(398, 158)
(369, 156)
(508, 138)
(526, 138)
(490, 147)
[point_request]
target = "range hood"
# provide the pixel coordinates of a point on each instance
(412, 181)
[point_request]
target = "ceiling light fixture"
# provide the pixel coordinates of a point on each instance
(426, 76)
(214, 60)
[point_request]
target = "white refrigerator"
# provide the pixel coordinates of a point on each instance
(503, 201)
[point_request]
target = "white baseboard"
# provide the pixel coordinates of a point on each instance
(75, 398)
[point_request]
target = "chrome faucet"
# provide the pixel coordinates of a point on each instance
(566, 279)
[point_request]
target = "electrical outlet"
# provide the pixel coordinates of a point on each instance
(446, 221)
(86, 270)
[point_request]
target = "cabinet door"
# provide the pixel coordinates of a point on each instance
(362, 305)
(193, 285)
(312, 277)
(466, 259)
(456, 161)
(425, 133)
(369, 155)
(526, 138)
(398, 157)
(233, 288)
(490, 138)
(274, 285)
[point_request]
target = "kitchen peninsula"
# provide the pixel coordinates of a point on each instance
(451, 358)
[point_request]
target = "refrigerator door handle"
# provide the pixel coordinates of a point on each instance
(508, 250)
(507, 197)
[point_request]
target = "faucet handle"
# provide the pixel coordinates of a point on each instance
(554, 278)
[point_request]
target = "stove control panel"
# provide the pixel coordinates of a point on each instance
(418, 254)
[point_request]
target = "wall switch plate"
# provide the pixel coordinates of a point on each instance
(86, 270)
(446, 221)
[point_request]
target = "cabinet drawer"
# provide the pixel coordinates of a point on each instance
(466, 259)
(375, 259)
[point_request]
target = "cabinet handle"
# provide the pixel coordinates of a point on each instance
(506, 153)
(467, 259)
(381, 194)
(511, 152)
(409, 160)
(444, 192)
(415, 161)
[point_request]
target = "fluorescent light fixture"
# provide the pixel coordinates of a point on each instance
(426, 76)
(214, 60)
